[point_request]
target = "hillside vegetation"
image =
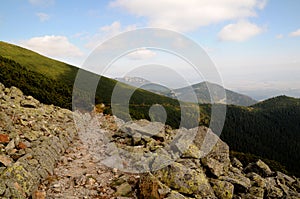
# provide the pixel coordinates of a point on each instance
(270, 129)
(52, 82)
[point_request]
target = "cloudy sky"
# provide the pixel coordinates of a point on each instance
(254, 43)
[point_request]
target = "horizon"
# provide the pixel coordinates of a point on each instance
(254, 44)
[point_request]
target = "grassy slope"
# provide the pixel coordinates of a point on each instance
(35, 62)
(41, 67)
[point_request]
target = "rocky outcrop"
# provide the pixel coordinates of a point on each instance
(33, 136)
(196, 175)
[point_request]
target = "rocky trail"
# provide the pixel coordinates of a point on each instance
(50, 152)
(79, 175)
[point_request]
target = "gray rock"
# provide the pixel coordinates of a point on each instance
(256, 180)
(260, 168)
(10, 146)
(272, 190)
(222, 189)
(185, 180)
(144, 127)
(240, 182)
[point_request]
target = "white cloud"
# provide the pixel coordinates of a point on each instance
(189, 15)
(52, 46)
(141, 54)
(43, 3)
(106, 32)
(295, 33)
(240, 31)
(43, 16)
(279, 36)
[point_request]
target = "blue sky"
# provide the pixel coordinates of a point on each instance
(253, 43)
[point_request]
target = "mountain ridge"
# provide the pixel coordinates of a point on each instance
(201, 90)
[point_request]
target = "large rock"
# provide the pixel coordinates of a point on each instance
(222, 189)
(256, 180)
(237, 178)
(144, 128)
(214, 150)
(260, 168)
(185, 180)
(272, 189)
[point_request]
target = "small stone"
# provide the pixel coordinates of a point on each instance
(22, 145)
(4, 138)
(39, 195)
(124, 189)
(56, 188)
(32, 135)
(5, 160)
(29, 102)
(90, 181)
(236, 163)
(115, 170)
(10, 146)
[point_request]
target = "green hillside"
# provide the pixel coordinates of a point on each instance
(37, 63)
(270, 129)
(52, 82)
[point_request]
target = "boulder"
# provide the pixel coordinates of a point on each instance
(256, 180)
(237, 178)
(272, 189)
(185, 180)
(215, 151)
(144, 128)
(222, 189)
(260, 168)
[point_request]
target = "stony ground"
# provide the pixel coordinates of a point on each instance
(79, 175)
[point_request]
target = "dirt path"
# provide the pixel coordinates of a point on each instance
(78, 175)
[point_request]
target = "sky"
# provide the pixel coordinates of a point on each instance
(255, 44)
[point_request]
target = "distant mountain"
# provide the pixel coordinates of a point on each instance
(133, 81)
(187, 93)
(202, 92)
